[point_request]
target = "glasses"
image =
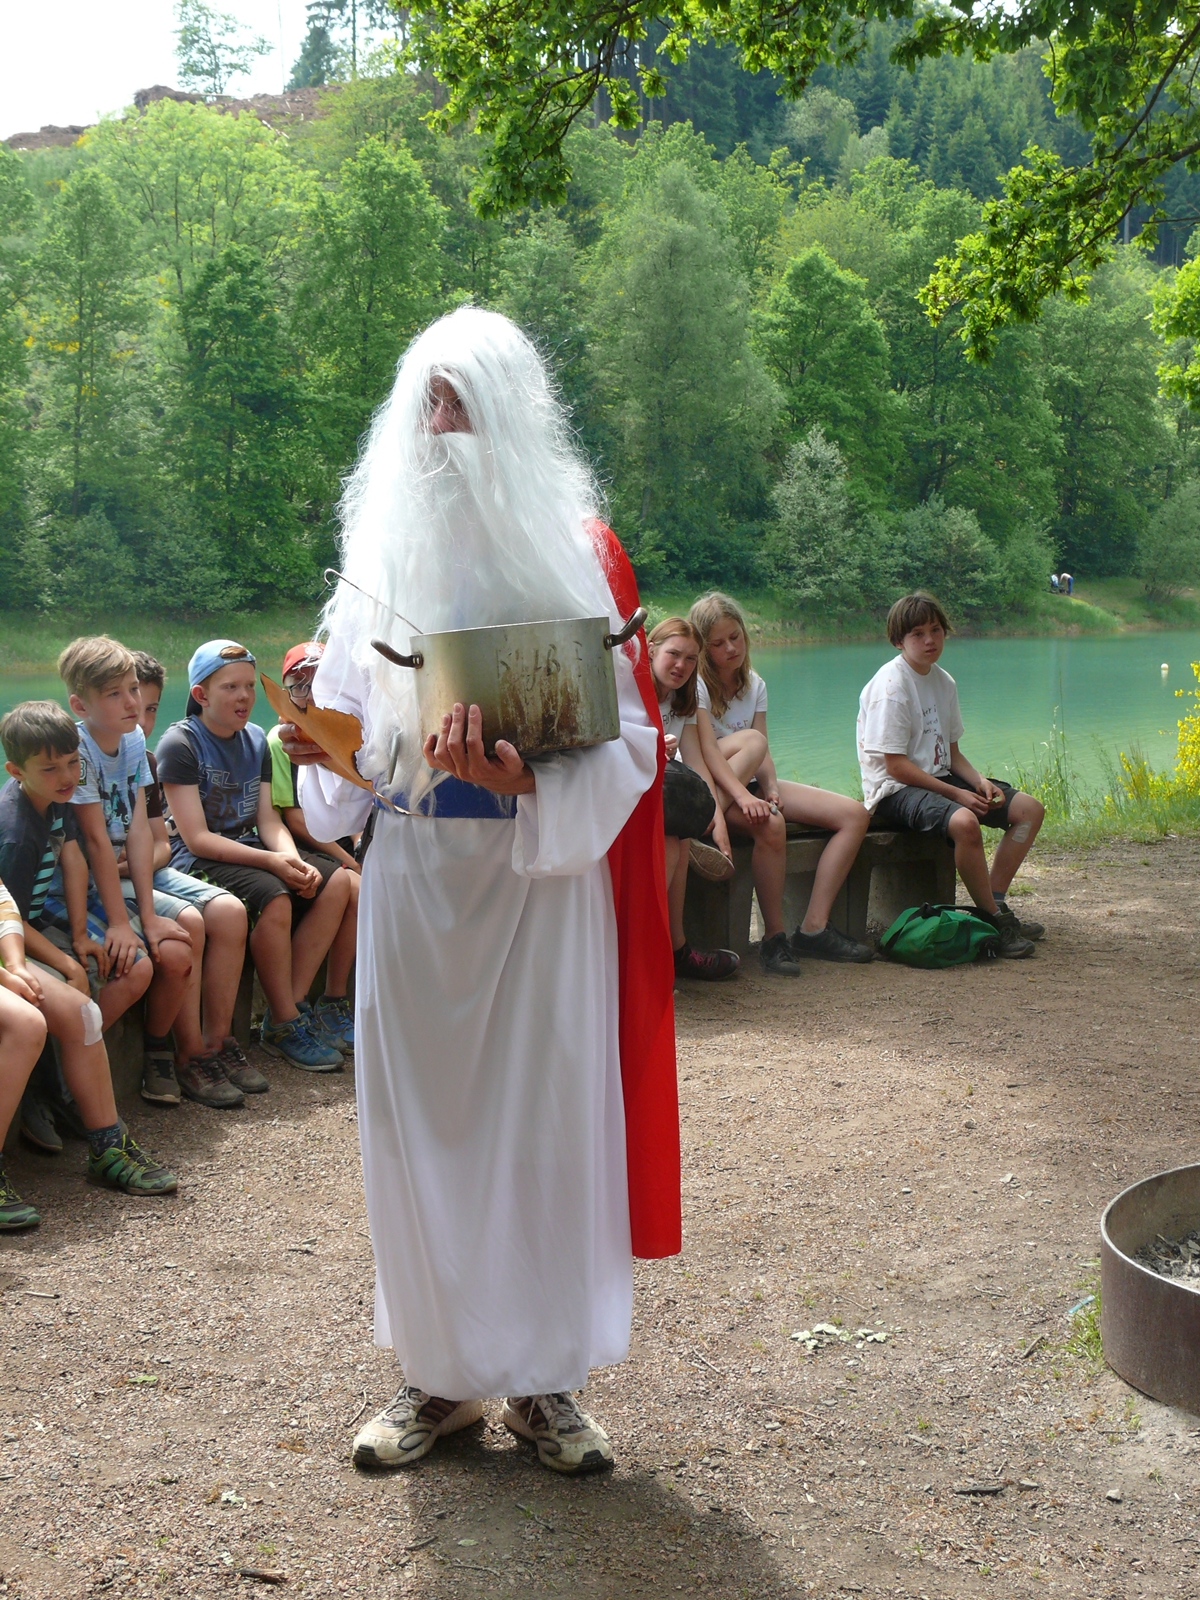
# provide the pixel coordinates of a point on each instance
(299, 689)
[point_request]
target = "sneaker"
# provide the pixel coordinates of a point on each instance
(1029, 930)
(409, 1427)
(709, 965)
(15, 1213)
(240, 1072)
(336, 1018)
(37, 1125)
(831, 944)
(299, 1043)
(159, 1084)
(1012, 942)
(709, 862)
(203, 1080)
(128, 1167)
(567, 1439)
(776, 956)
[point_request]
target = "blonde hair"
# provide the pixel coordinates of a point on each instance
(92, 663)
(706, 612)
(683, 699)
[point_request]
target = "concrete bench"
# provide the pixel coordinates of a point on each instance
(891, 872)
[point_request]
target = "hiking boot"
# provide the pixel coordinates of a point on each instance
(709, 965)
(37, 1125)
(128, 1167)
(409, 1426)
(567, 1439)
(241, 1073)
(1029, 930)
(159, 1084)
(15, 1213)
(1013, 944)
(335, 1016)
(831, 944)
(203, 1080)
(776, 956)
(299, 1043)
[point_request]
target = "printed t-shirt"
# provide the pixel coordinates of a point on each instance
(903, 712)
(283, 772)
(112, 781)
(739, 713)
(228, 774)
(673, 723)
(30, 845)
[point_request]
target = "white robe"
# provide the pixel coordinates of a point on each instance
(489, 1086)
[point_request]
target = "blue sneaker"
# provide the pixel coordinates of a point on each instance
(336, 1018)
(300, 1043)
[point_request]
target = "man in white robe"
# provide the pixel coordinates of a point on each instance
(490, 1098)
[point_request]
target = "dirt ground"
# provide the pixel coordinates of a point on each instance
(923, 1153)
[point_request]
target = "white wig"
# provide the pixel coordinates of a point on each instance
(462, 530)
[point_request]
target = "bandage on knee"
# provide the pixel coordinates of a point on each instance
(1021, 832)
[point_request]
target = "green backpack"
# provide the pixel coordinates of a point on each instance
(939, 936)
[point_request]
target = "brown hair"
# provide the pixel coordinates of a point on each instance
(683, 699)
(706, 612)
(914, 611)
(92, 663)
(38, 725)
(148, 669)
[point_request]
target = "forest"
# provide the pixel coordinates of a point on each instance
(199, 313)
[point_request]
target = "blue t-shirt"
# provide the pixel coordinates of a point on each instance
(227, 772)
(112, 781)
(30, 845)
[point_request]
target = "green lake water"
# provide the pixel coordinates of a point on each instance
(1108, 693)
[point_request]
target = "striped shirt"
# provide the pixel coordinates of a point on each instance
(31, 843)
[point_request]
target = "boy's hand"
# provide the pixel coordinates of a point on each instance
(85, 947)
(23, 983)
(972, 800)
(157, 929)
(122, 863)
(76, 976)
(991, 792)
(122, 945)
(297, 875)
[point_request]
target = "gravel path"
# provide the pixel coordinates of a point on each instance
(922, 1153)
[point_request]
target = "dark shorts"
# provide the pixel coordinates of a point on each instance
(922, 811)
(255, 887)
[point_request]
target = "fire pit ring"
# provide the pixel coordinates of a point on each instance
(1150, 1325)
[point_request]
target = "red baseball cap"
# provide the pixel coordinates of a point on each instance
(302, 655)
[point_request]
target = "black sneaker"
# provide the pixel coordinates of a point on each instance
(829, 945)
(37, 1125)
(776, 956)
(1013, 944)
(242, 1074)
(709, 965)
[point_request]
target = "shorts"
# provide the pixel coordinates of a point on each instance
(922, 811)
(62, 939)
(255, 887)
(168, 902)
(57, 926)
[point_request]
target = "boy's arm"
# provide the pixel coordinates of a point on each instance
(139, 853)
(960, 765)
(162, 842)
(184, 801)
(75, 892)
(293, 821)
(120, 941)
(906, 770)
(297, 874)
(39, 947)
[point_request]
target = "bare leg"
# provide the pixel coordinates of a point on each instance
(745, 751)
(22, 1035)
(1026, 816)
(271, 950)
(768, 863)
(970, 858)
(316, 933)
(85, 1066)
(345, 943)
(186, 1026)
(118, 994)
(224, 955)
(847, 820)
(677, 871)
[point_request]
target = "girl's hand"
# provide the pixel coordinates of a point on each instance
(671, 742)
(772, 799)
(23, 983)
(753, 807)
(719, 833)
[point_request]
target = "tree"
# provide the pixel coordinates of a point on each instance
(813, 550)
(16, 215)
(540, 288)
(210, 47)
(1168, 550)
(943, 549)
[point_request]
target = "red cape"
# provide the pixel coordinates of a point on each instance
(647, 974)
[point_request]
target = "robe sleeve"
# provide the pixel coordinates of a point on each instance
(584, 798)
(332, 807)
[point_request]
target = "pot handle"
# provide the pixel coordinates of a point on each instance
(395, 657)
(625, 633)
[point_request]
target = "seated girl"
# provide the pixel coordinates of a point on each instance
(732, 726)
(674, 653)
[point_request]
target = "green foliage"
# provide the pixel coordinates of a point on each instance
(1168, 549)
(942, 548)
(813, 549)
(210, 47)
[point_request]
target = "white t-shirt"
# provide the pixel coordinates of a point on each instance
(739, 713)
(905, 713)
(673, 723)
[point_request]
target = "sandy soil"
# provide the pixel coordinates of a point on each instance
(182, 1377)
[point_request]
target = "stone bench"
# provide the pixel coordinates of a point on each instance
(891, 872)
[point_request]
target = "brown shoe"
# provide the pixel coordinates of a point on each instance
(238, 1070)
(202, 1080)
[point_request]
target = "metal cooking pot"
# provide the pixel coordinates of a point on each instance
(543, 686)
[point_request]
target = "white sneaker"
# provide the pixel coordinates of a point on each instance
(567, 1439)
(409, 1426)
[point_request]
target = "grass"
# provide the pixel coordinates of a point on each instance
(32, 643)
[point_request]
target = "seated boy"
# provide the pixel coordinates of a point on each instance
(915, 777)
(216, 775)
(333, 1009)
(110, 809)
(38, 833)
(224, 1062)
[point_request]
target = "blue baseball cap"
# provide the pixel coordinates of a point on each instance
(210, 658)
